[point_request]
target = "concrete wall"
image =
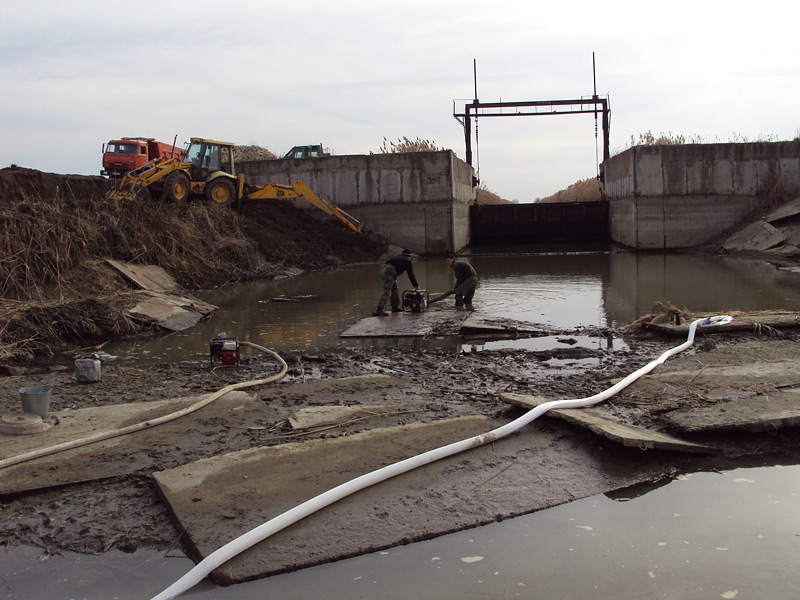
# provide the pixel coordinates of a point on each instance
(418, 200)
(663, 197)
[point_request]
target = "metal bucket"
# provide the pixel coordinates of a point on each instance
(36, 400)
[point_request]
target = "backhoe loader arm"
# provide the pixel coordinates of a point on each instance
(143, 177)
(300, 190)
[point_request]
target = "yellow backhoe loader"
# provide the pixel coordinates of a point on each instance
(208, 171)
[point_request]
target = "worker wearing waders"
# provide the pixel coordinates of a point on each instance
(466, 280)
(390, 271)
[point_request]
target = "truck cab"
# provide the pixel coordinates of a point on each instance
(126, 154)
(123, 155)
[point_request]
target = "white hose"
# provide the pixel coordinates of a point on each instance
(105, 435)
(263, 531)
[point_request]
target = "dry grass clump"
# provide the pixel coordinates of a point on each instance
(28, 331)
(45, 239)
(670, 139)
(585, 190)
(662, 312)
(404, 144)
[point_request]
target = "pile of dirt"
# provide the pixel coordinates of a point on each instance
(241, 153)
(59, 230)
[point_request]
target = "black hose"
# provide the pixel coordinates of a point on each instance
(440, 297)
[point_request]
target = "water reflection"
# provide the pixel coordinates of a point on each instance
(707, 535)
(565, 290)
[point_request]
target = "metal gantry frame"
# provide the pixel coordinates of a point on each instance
(476, 108)
(593, 105)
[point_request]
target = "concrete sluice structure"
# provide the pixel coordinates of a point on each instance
(660, 197)
(667, 197)
(419, 200)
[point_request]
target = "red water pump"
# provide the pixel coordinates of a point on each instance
(415, 301)
(225, 350)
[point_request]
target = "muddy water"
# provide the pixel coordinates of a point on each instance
(729, 534)
(565, 290)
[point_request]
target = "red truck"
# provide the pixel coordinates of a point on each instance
(129, 153)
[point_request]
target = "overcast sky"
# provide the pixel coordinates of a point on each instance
(349, 73)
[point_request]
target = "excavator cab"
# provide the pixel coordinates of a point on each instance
(209, 156)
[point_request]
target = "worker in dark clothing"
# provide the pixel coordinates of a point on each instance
(466, 280)
(390, 271)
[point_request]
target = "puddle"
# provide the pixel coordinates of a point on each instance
(547, 343)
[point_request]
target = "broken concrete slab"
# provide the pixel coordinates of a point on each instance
(121, 455)
(758, 236)
(404, 324)
(171, 312)
(440, 322)
(477, 323)
(146, 277)
(766, 412)
(792, 233)
(217, 499)
(790, 209)
(627, 435)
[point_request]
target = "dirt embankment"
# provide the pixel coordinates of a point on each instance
(59, 229)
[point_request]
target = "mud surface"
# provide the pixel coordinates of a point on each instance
(126, 513)
(56, 297)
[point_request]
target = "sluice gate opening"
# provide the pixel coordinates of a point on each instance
(539, 222)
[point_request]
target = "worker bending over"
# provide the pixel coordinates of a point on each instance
(390, 271)
(466, 280)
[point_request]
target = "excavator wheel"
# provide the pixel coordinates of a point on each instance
(220, 191)
(176, 188)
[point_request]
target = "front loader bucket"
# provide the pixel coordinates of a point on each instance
(128, 189)
(135, 184)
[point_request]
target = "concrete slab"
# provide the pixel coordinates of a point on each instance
(171, 312)
(405, 324)
(790, 209)
(768, 412)
(215, 500)
(117, 456)
(757, 236)
(147, 277)
(477, 323)
(627, 435)
(439, 322)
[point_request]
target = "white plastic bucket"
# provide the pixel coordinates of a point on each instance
(36, 400)
(87, 370)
